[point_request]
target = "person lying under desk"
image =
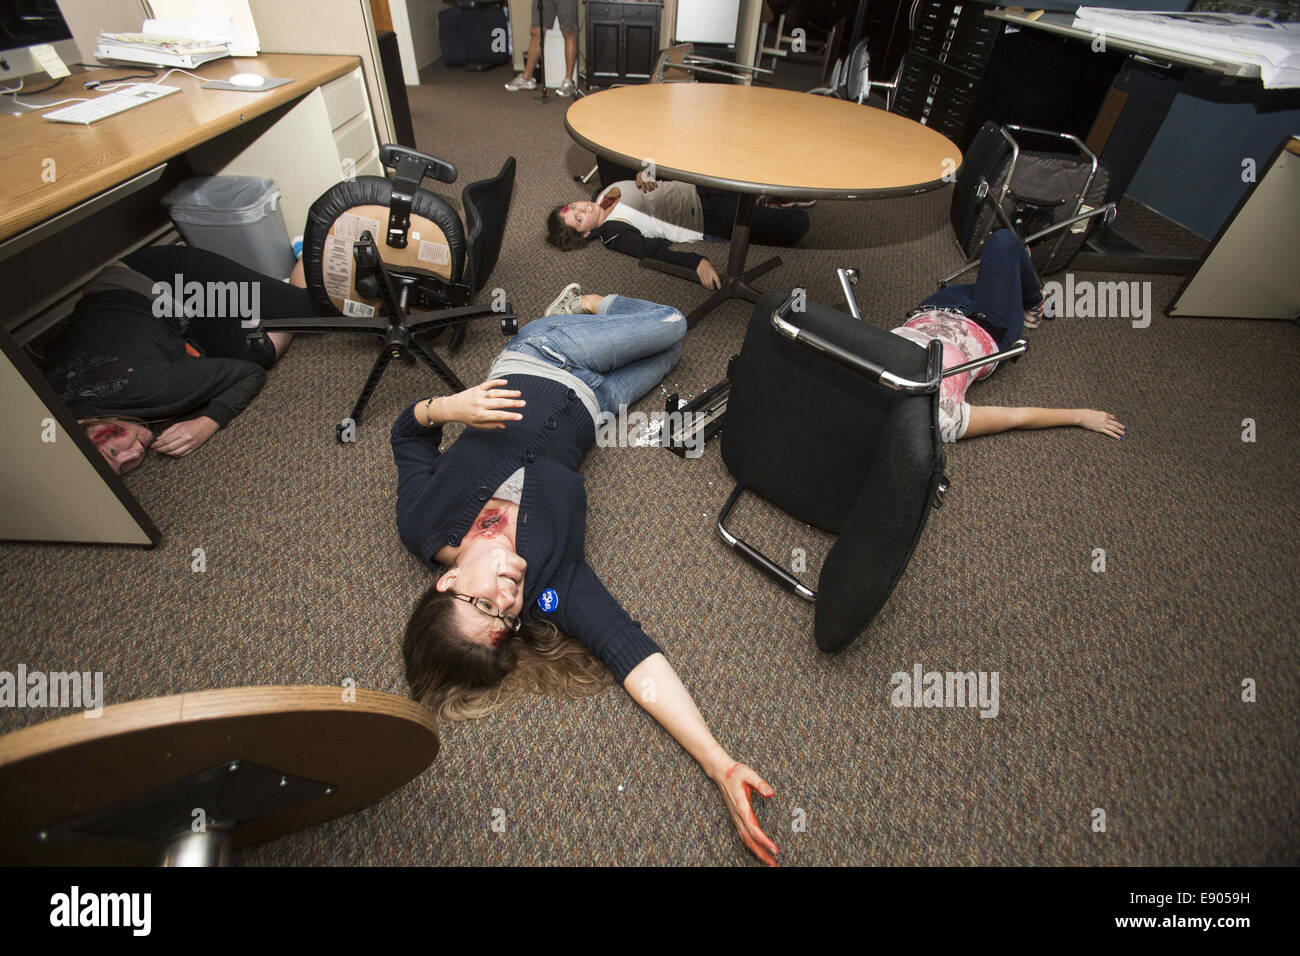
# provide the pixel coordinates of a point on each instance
(983, 317)
(132, 355)
(500, 517)
(643, 218)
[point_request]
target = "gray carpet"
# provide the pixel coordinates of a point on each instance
(1119, 690)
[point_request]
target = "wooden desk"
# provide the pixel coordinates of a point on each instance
(754, 140)
(91, 159)
(74, 198)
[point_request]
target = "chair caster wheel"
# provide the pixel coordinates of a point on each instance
(510, 325)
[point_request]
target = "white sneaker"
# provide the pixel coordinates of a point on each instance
(519, 83)
(565, 88)
(568, 302)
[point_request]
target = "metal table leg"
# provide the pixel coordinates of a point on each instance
(736, 281)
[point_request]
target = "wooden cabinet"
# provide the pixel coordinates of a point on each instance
(622, 41)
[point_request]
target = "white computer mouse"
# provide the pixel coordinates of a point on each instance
(248, 80)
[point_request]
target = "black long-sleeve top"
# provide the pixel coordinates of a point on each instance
(627, 239)
(118, 358)
(439, 494)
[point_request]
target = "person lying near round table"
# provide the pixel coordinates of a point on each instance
(500, 517)
(983, 317)
(133, 354)
(645, 217)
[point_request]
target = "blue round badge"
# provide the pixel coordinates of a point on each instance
(548, 600)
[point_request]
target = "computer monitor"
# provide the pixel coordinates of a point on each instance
(25, 24)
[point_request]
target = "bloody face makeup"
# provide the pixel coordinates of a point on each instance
(582, 216)
(122, 444)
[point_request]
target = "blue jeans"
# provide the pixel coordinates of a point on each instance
(1007, 287)
(621, 352)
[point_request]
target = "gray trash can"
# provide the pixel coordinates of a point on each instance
(236, 216)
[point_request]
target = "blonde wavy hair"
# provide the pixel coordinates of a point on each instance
(459, 679)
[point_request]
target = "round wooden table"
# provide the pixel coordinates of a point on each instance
(755, 140)
(184, 779)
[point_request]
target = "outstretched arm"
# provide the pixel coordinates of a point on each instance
(990, 419)
(655, 686)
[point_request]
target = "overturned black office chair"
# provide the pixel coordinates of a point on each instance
(376, 249)
(835, 422)
(1049, 198)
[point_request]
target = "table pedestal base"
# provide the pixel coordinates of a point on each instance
(735, 282)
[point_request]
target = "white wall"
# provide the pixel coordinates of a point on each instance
(423, 17)
(328, 26)
(86, 18)
(416, 24)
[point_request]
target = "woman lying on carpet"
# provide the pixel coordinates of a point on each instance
(130, 356)
(978, 319)
(642, 218)
(501, 515)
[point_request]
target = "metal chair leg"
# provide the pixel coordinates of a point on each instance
(755, 557)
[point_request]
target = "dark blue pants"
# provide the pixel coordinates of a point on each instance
(1007, 287)
(768, 227)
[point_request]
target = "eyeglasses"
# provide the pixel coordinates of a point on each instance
(484, 606)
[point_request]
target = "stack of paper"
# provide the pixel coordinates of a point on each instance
(182, 43)
(1224, 37)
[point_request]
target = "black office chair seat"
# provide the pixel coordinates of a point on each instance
(386, 257)
(326, 226)
(836, 450)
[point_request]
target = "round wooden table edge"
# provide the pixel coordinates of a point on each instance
(743, 186)
(203, 705)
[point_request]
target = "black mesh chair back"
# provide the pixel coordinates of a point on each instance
(487, 206)
(838, 451)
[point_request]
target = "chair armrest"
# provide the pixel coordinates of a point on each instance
(856, 363)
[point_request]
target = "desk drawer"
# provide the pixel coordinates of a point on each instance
(344, 98)
(937, 95)
(355, 140)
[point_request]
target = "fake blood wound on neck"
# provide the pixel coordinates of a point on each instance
(492, 522)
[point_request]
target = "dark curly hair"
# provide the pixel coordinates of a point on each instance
(560, 234)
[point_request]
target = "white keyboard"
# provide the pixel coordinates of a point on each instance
(110, 103)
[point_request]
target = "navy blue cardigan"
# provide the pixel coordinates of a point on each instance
(439, 494)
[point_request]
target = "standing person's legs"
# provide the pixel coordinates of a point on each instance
(535, 35)
(570, 54)
(568, 15)
(621, 352)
